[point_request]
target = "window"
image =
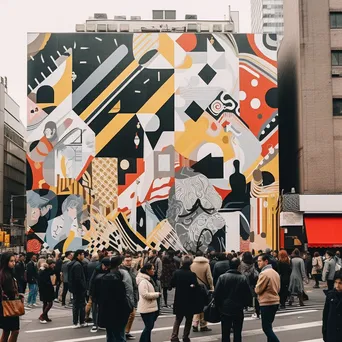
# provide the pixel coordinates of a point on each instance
(337, 107)
(170, 15)
(157, 15)
(336, 58)
(336, 20)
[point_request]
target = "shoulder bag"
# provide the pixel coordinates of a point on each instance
(12, 307)
(212, 313)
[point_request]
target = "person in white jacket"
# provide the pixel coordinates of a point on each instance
(148, 300)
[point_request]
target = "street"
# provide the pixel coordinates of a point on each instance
(295, 324)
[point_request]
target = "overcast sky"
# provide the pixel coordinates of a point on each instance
(17, 17)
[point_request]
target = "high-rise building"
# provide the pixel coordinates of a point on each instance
(267, 16)
(310, 90)
(12, 167)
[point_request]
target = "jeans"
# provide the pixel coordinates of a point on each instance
(32, 296)
(64, 293)
(78, 308)
(187, 328)
(226, 324)
(116, 335)
(149, 319)
(267, 317)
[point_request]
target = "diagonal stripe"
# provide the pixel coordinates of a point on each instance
(113, 127)
(115, 84)
(159, 97)
(144, 49)
(143, 38)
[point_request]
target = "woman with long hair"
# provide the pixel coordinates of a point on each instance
(317, 267)
(298, 275)
(284, 270)
(8, 286)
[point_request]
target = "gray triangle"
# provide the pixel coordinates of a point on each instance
(220, 63)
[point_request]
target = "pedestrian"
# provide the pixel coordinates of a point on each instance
(20, 273)
(232, 293)
(155, 260)
(42, 260)
(267, 289)
(147, 304)
(317, 267)
(332, 313)
(298, 275)
(93, 264)
(329, 269)
(58, 270)
(185, 282)
(78, 287)
(275, 255)
(168, 269)
(247, 269)
(127, 265)
(284, 270)
(114, 307)
(32, 280)
(10, 325)
(201, 268)
(95, 290)
(272, 260)
(338, 258)
(46, 289)
(221, 266)
(64, 276)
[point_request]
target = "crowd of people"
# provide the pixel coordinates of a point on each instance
(111, 288)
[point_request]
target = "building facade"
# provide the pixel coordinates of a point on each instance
(310, 86)
(267, 16)
(12, 167)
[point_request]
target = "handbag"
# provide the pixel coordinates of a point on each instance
(12, 307)
(212, 313)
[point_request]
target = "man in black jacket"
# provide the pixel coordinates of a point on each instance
(32, 280)
(232, 294)
(78, 287)
(20, 273)
(221, 266)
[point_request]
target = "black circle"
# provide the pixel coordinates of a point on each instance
(259, 116)
(271, 98)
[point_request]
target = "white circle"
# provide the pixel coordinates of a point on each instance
(254, 83)
(243, 95)
(255, 103)
(124, 164)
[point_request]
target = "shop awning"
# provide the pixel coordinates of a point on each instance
(323, 231)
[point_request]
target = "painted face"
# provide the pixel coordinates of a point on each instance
(72, 212)
(49, 133)
(35, 214)
(57, 226)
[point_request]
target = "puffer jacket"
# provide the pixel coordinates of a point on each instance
(201, 267)
(147, 296)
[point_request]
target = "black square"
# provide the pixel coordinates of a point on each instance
(207, 74)
(194, 111)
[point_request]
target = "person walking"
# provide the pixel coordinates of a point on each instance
(338, 258)
(284, 270)
(58, 270)
(91, 266)
(267, 289)
(168, 269)
(185, 282)
(147, 304)
(201, 268)
(298, 275)
(232, 293)
(64, 276)
(78, 287)
(332, 312)
(154, 259)
(114, 307)
(10, 325)
(46, 289)
(127, 265)
(317, 267)
(20, 273)
(32, 280)
(221, 266)
(329, 269)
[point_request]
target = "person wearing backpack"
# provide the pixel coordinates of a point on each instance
(317, 267)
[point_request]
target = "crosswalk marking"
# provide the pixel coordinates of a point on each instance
(318, 340)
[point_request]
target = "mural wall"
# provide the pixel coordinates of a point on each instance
(152, 140)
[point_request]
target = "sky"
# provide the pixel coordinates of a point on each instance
(17, 17)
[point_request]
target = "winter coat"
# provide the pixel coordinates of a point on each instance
(64, 269)
(185, 299)
(220, 267)
(332, 317)
(20, 271)
(232, 293)
(317, 265)
(268, 286)
(147, 295)
(95, 283)
(90, 270)
(298, 274)
(114, 308)
(251, 274)
(58, 269)
(169, 267)
(132, 273)
(284, 270)
(46, 289)
(158, 266)
(32, 273)
(329, 269)
(76, 277)
(127, 280)
(201, 267)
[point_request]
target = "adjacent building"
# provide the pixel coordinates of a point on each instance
(267, 16)
(12, 167)
(310, 90)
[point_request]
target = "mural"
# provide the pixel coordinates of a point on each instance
(160, 140)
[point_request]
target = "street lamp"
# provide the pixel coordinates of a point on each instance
(12, 197)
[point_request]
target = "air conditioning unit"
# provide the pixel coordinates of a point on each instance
(190, 16)
(119, 17)
(192, 27)
(124, 27)
(91, 27)
(101, 27)
(100, 16)
(217, 28)
(80, 27)
(112, 27)
(135, 17)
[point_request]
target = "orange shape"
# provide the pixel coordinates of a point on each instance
(187, 41)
